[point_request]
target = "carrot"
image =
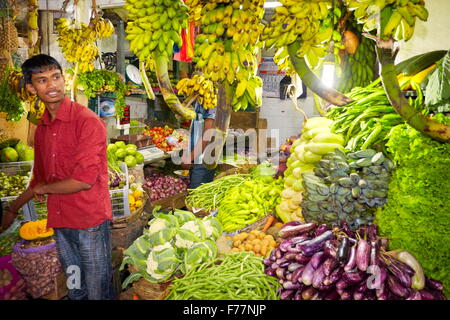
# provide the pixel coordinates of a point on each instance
(269, 222)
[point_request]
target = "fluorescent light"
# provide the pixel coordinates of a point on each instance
(272, 4)
(328, 74)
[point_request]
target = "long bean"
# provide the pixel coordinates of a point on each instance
(236, 276)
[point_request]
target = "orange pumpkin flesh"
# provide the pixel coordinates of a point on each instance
(33, 230)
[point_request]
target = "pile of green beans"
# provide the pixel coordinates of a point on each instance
(236, 276)
(209, 195)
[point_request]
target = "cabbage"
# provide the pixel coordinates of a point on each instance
(199, 254)
(162, 262)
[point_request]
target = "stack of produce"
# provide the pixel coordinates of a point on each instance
(236, 276)
(208, 196)
(316, 263)
(13, 185)
(248, 202)
(225, 50)
(316, 140)
(116, 178)
(159, 137)
(173, 245)
(77, 40)
(136, 197)
(162, 186)
(258, 242)
(399, 17)
(199, 85)
(125, 152)
(346, 187)
(12, 150)
(309, 22)
(367, 120)
(417, 216)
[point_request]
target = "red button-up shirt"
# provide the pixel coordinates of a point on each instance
(73, 146)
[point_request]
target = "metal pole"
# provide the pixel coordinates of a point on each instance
(120, 66)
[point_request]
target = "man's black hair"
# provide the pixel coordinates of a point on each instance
(38, 64)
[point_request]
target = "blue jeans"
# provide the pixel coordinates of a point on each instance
(85, 255)
(200, 174)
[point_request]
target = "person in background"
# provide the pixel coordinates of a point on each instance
(70, 167)
(204, 120)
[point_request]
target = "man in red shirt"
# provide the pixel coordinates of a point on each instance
(71, 168)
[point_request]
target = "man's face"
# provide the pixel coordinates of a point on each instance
(48, 85)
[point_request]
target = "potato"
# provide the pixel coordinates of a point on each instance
(251, 236)
(241, 247)
(261, 235)
(248, 247)
(244, 235)
(269, 237)
(237, 243)
(273, 243)
(255, 232)
(256, 241)
(257, 248)
(235, 250)
(265, 242)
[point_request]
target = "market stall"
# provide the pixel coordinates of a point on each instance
(351, 206)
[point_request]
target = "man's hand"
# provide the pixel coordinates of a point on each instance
(39, 192)
(8, 218)
(186, 166)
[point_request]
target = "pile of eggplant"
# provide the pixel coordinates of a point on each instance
(319, 262)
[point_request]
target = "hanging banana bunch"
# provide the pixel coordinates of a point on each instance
(307, 21)
(153, 28)
(227, 47)
(199, 86)
(398, 17)
(33, 28)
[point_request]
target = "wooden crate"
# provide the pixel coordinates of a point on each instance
(60, 288)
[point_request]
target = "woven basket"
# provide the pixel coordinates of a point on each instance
(151, 291)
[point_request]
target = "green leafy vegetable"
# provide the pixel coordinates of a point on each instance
(10, 103)
(438, 87)
(100, 81)
(417, 215)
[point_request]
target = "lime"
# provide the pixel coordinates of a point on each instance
(121, 153)
(26, 154)
(130, 161)
(20, 146)
(9, 155)
(120, 144)
(111, 148)
(139, 158)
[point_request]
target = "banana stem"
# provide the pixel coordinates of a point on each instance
(171, 99)
(222, 121)
(74, 82)
(413, 117)
(312, 81)
(145, 81)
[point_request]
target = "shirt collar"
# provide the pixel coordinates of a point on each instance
(63, 113)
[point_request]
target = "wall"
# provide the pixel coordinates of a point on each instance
(433, 34)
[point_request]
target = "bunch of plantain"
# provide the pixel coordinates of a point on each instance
(228, 44)
(199, 85)
(307, 21)
(346, 187)
(153, 27)
(398, 17)
(77, 40)
(315, 141)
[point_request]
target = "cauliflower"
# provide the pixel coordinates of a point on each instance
(152, 266)
(209, 228)
(157, 225)
(183, 243)
(192, 226)
(161, 247)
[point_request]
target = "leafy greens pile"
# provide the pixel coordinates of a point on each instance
(173, 244)
(100, 81)
(416, 216)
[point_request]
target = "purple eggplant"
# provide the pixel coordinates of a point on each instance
(300, 258)
(341, 285)
(331, 247)
(346, 295)
(384, 296)
(292, 242)
(362, 255)
(281, 273)
(317, 259)
(372, 232)
(379, 276)
(396, 287)
(438, 295)
(403, 277)
(297, 274)
(287, 294)
(334, 276)
(321, 229)
(283, 262)
(374, 252)
(343, 251)
(267, 262)
(332, 296)
(309, 293)
(351, 263)
(400, 265)
(316, 244)
(288, 276)
(318, 277)
(294, 266)
(346, 228)
(415, 295)
(308, 273)
(272, 256)
(298, 294)
(353, 277)
(358, 295)
(426, 295)
(288, 231)
(290, 256)
(362, 287)
(291, 286)
(329, 265)
(370, 296)
(434, 284)
(274, 265)
(278, 253)
(271, 272)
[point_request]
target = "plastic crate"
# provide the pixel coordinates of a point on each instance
(17, 168)
(119, 197)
